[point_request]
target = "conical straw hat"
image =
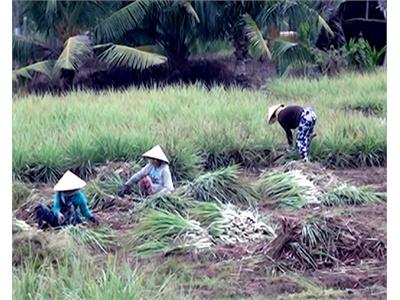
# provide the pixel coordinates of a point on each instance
(69, 182)
(156, 153)
(272, 110)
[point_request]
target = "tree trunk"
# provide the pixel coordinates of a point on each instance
(241, 45)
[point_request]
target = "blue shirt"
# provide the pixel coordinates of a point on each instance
(155, 176)
(78, 200)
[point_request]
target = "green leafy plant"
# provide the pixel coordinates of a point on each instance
(361, 55)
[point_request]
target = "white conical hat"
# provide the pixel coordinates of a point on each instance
(69, 182)
(272, 110)
(156, 153)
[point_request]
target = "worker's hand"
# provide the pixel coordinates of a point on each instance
(124, 190)
(60, 218)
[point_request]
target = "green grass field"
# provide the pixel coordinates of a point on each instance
(199, 128)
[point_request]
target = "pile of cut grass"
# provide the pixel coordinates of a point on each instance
(222, 186)
(162, 232)
(289, 189)
(351, 195)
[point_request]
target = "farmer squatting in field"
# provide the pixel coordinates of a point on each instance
(292, 117)
(67, 199)
(155, 177)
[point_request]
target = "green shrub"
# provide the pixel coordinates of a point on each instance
(361, 55)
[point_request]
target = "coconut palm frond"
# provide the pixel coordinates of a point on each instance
(382, 6)
(255, 36)
(125, 56)
(26, 49)
(288, 53)
(282, 48)
(76, 50)
(325, 25)
(43, 67)
(190, 9)
(51, 7)
(123, 20)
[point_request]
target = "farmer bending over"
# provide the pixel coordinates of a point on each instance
(155, 177)
(67, 199)
(292, 117)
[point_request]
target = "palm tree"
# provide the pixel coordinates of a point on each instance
(143, 33)
(300, 20)
(134, 35)
(255, 25)
(67, 33)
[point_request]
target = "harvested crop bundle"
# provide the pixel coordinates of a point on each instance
(20, 226)
(351, 195)
(164, 231)
(95, 238)
(228, 224)
(320, 242)
(206, 212)
(290, 189)
(223, 185)
(237, 226)
(39, 247)
(176, 201)
(98, 192)
(314, 172)
(20, 193)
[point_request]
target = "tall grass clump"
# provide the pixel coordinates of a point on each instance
(77, 279)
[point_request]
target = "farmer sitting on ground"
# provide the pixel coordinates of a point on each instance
(67, 199)
(292, 117)
(155, 177)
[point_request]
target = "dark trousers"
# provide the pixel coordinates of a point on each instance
(45, 216)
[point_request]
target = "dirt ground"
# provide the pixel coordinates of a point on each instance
(243, 272)
(374, 176)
